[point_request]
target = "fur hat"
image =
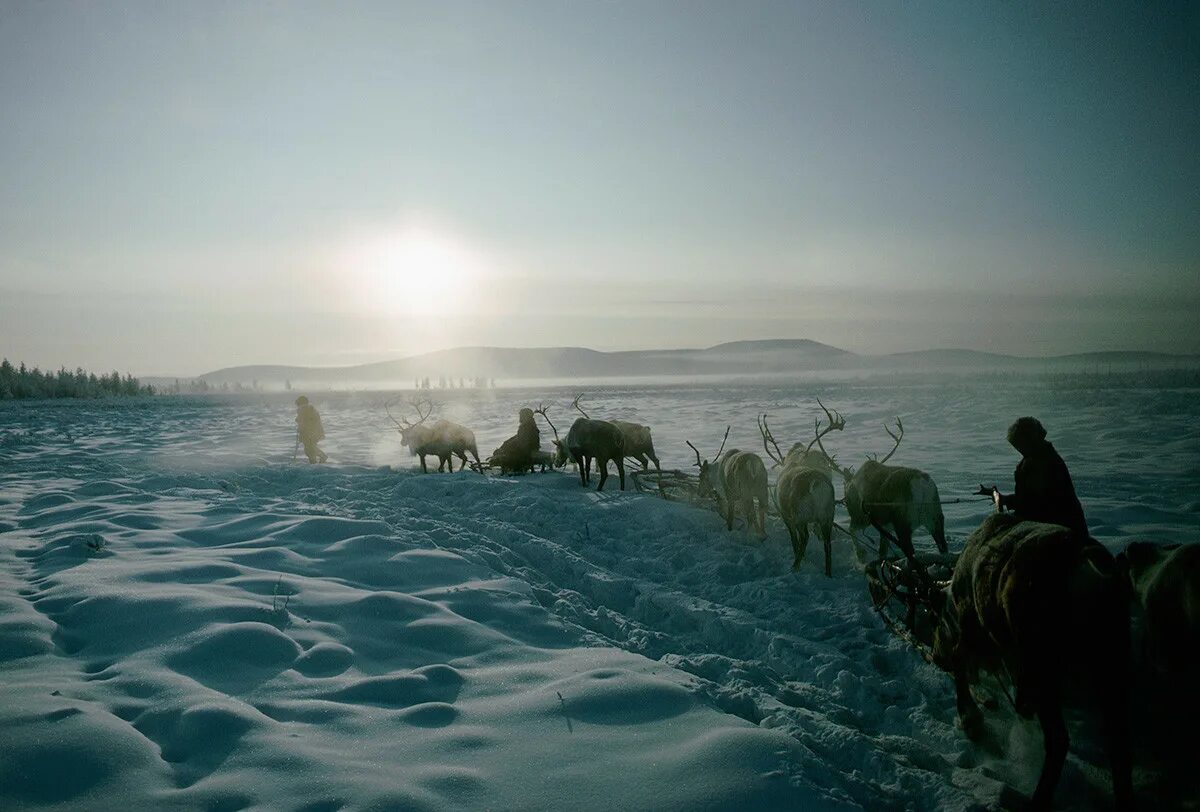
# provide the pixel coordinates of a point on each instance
(1025, 431)
(300, 401)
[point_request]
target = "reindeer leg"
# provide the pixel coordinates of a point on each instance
(1054, 734)
(904, 542)
(581, 465)
(602, 465)
(657, 467)
(1118, 735)
(1120, 754)
(826, 533)
(939, 533)
(424, 470)
(969, 714)
(729, 509)
(799, 533)
(884, 538)
(621, 472)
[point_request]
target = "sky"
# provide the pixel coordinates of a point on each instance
(187, 186)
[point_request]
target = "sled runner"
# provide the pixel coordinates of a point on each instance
(672, 485)
(908, 600)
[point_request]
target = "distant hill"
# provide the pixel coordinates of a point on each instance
(771, 357)
(959, 358)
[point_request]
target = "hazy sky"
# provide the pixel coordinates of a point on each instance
(191, 185)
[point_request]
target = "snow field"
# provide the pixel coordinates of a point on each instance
(189, 621)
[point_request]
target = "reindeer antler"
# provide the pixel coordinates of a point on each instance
(387, 407)
(836, 423)
(542, 409)
(723, 439)
(579, 408)
(423, 407)
(767, 436)
(700, 462)
(896, 437)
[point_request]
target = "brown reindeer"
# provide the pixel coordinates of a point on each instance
(589, 440)
(739, 480)
(804, 491)
(1049, 608)
(443, 439)
(639, 445)
(890, 496)
(597, 440)
(1166, 580)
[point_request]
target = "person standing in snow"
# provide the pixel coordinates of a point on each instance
(309, 429)
(1043, 490)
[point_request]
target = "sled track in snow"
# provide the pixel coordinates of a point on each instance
(797, 652)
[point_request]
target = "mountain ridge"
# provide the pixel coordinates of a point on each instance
(758, 357)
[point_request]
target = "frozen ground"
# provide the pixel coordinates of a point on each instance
(188, 620)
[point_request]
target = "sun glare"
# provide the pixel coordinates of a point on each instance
(415, 271)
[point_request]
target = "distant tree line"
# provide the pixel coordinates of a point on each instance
(18, 383)
(199, 386)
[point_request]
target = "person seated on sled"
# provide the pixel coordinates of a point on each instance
(309, 429)
(1043, 490)
(516, 453)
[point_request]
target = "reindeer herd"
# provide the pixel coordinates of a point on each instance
(1040, 605)
(893, 500)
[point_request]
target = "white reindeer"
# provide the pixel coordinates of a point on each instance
(739, 480)
(443, 439)
(804, 490)
(891, 496)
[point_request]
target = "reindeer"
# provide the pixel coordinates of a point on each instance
(639, 445)
(589, 440)
(1166, 580)
(443, 439)
(904, 499)
(598, 440)
(543, 459)
(546, 459)
(1049, 608)
(804, 490)
(738, 479)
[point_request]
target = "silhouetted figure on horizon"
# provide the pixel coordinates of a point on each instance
(1043, 490)
(309, 429)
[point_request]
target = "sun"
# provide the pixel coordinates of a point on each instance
(415, 271)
